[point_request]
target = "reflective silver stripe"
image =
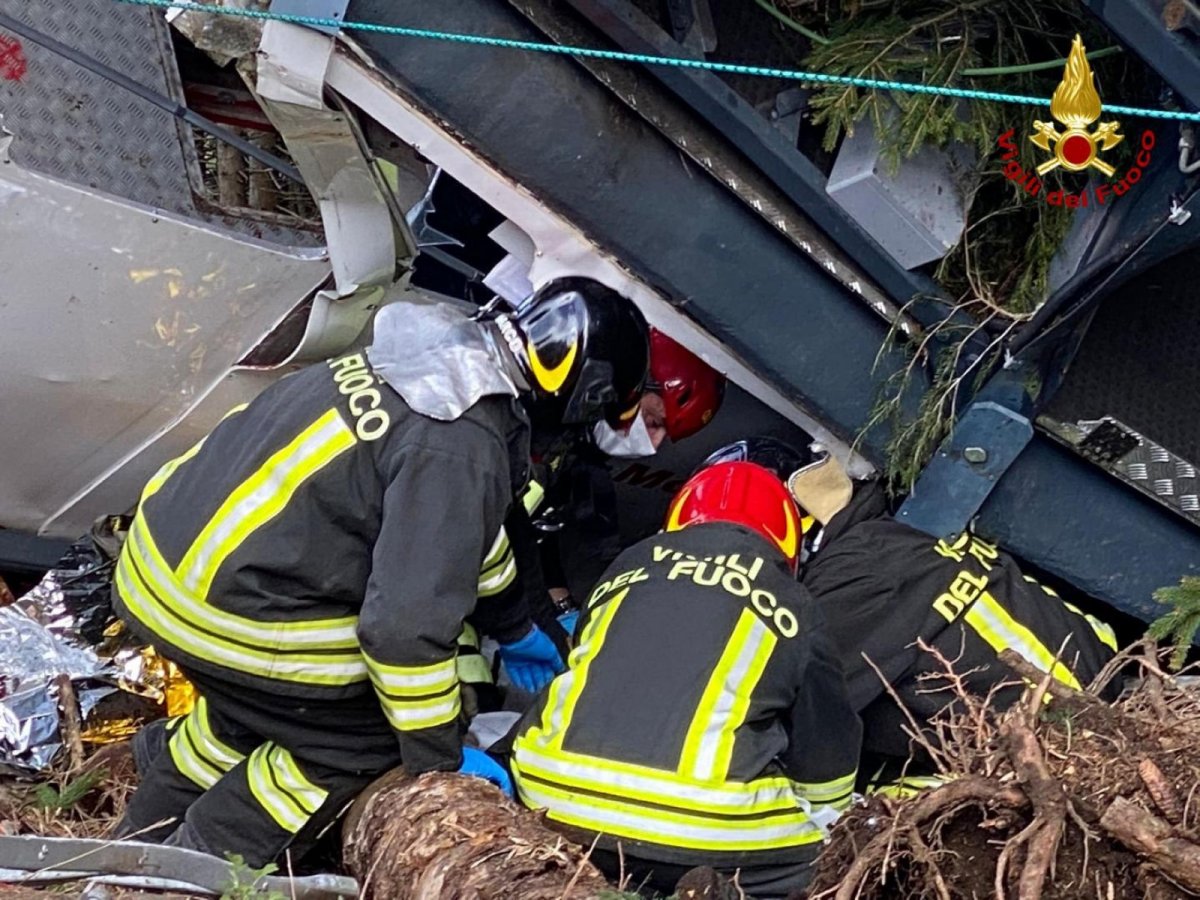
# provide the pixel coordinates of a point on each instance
(992, 622)
(499, 547)
(499, 568)
(413, 715)
(416, 680)
(494, 584)
(659, 827)
(826, 791)
(281, 789)
(336, 633)
(197, 752)
(204, 646)
(708, 746)
(652, 786)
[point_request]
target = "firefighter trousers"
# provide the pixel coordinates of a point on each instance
(255, 774)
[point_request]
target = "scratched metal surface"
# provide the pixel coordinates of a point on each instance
(120, 328)
(76, 126)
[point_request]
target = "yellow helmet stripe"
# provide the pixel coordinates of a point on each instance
(552, 379)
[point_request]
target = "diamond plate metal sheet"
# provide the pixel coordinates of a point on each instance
(1138, 362)
(73, 125)
(1135, 459)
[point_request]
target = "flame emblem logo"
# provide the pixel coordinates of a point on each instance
(1076, 104)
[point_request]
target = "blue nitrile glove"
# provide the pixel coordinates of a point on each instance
(568, 620)
(480, 765)
(533, 661)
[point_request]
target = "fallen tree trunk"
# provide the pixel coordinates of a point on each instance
(1147, 834)
(445, 836)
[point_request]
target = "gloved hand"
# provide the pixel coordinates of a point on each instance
(480, 765)
(568, 620)
(533, 661)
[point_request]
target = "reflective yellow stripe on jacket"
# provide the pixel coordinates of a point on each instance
(615, 816)
(499, 569)
(415, 697)
(317, 652)
(160, 477)
(709, 743)
(281, 789)
(1102, 630)
(172, 602)
(197, 752)
(261, 497)
(693, 806)
(1001, 631)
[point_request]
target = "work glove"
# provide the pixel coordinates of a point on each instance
(568, 621)
(533, 661)
(479, 765)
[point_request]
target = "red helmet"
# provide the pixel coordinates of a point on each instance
(745, 494)
(690, 388)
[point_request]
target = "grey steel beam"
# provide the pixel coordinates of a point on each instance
(1139, 25)
(1076, 521)
(764, 145)
(549, 126)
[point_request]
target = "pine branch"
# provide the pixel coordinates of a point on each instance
(1182, 622)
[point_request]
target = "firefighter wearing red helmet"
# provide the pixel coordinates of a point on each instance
(577, 513)
(683, 392)
(704, 718)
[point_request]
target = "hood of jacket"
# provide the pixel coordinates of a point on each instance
(439, 359)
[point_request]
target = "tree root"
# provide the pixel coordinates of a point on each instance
(1161, 791)
(1049, 801)
(1146, 834)
(961, 792)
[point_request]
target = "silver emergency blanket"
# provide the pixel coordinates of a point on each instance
(31, 657)
(48, 632)
(436, 358)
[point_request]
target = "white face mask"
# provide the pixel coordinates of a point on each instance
(635, 444)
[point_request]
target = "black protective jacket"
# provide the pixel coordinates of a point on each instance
(704, 716)
(327, 541)
(883, 585)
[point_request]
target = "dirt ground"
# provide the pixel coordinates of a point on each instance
(1059, 800)
(1061, 797)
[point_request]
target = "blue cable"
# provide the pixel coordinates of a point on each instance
(588, 52)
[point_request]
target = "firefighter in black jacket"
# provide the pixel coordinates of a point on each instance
(704, 718)
(309, 564)
(883, 585)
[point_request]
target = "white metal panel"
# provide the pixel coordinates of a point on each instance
(115, 321)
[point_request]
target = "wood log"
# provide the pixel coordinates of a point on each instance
(1147, 835)
(70, 724)
(445, 837)
(231, 176)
